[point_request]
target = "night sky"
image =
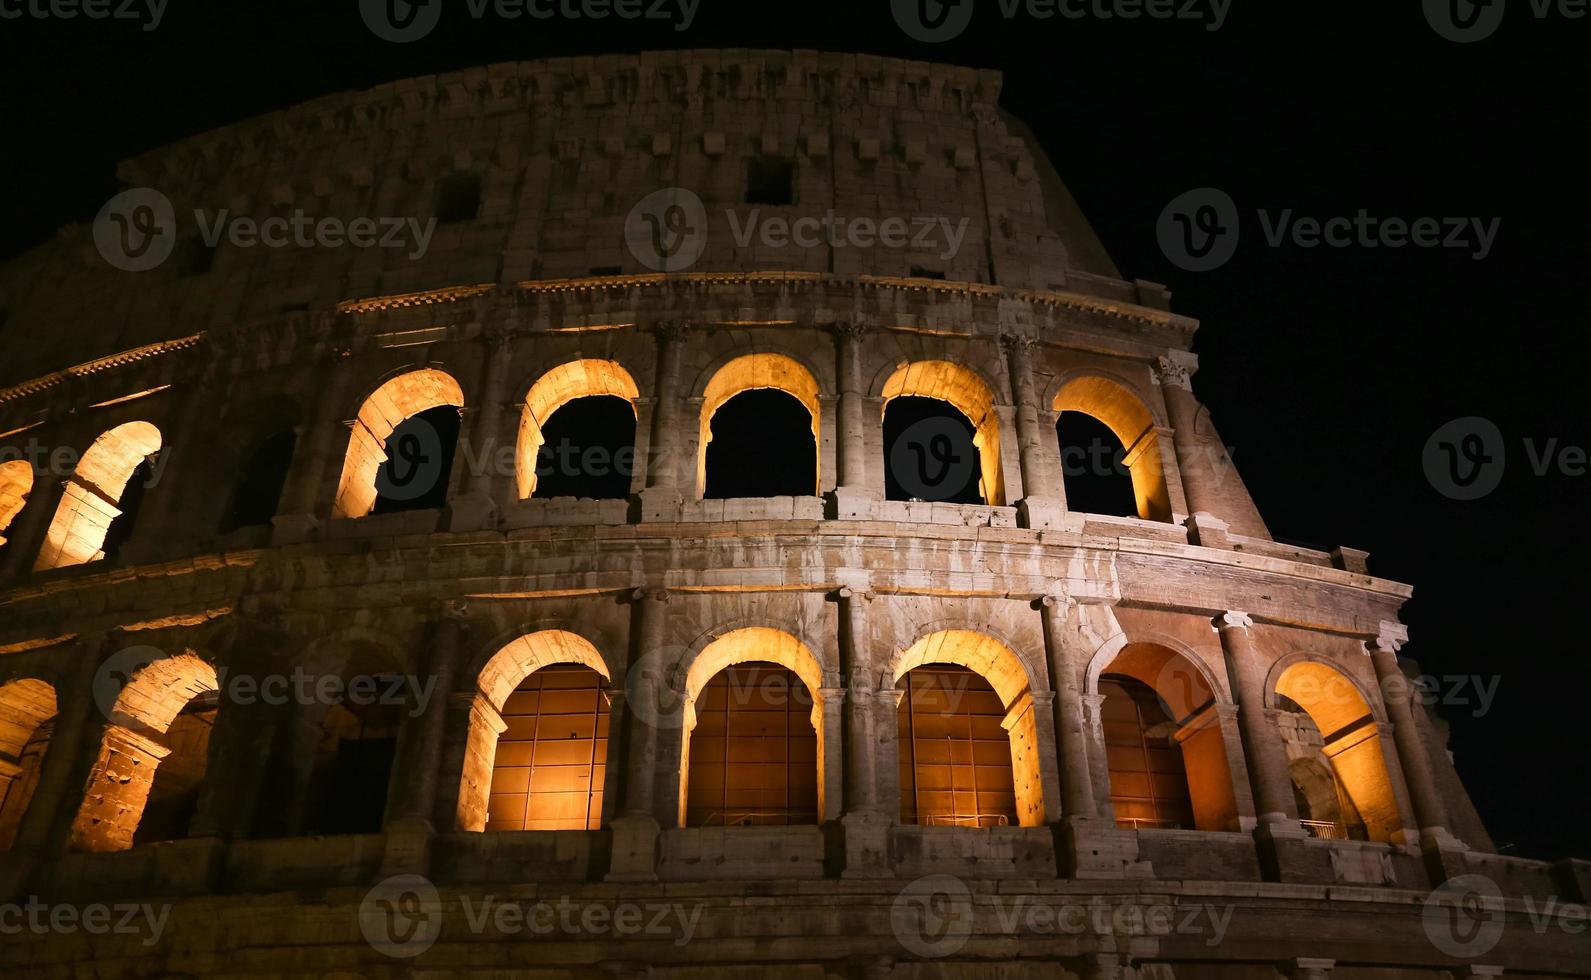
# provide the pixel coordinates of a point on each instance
(1327, 369)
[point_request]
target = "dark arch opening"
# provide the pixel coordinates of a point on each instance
(174, 794)
(955, 754)
(762, 446)
(121, 527)
(347, 792)
(260, 480)
(419, 462)
(1148, 780)
(753, 752)
(1097, 481)
(929, 453)
(588, 450)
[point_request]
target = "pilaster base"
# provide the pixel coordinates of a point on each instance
(408, 848)
(1040, 513)
(866, 844)
(852, 504)
(1087, 847)
(191, 867)
(1446, 857)
(293, 528)
(661, 505)
(635, 847)
(474, 511)
(1283, 851)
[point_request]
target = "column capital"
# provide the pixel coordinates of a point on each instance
(1018, 343)
(847, 592)
(1175, 369)
(1232, 619)
(498, 336)
(654, 593)
(449, 610)
(848, 330)
(1389, 638)
(672, 330)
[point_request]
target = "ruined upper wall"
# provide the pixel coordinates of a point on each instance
(563, 151)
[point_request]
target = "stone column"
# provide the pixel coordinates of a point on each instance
(1098, 759)
(412, 800)
(853, 499)
(322, 439)
(636, 833)
(28, 528)
(861, 784)
(667, 471)
(1068, 653)
(828, 718)
(78, 716)
(482, 491)
(1174, 373)
(1043, 492)
(1262, 744)
(165, 518)
(1444, 854)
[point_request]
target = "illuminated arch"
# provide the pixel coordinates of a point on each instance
(16, 482)
(133, 748)
(1186, 696)
(746, 373)
(387, 407)
(751, 644)
(552, 391)
(972, 397)
(1127, 416)
(505, 671)
(1006, 673)
(1351, 740)
(26, 706)
(88, 500)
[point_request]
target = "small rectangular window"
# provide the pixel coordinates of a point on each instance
(458, 198)
(919, 272)
(770, 180)
(606, 270)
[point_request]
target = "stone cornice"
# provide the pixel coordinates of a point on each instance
(99, 365)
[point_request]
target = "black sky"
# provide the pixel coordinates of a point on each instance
(1327, 369)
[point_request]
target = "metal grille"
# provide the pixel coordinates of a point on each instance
(552, 758)
(1148, 785)
(955, 756)
(754, 752)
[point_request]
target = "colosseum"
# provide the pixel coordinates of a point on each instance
(322, 652)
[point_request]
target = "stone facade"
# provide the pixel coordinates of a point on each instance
(538, 301)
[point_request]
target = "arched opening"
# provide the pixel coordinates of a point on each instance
(1130, 423)
(115, 467)
(1097, 479)
(16, 482)
(968, 739)
(152, 757)
(754, 696)
(926, 456)
(754, 750)
(577, 432)
(1165, 745)
(759, 430)
(537, 751)
(1324, 808)
(391, 465)
(354, 755)
(1334, 729)
(260, 479)
(27, 720)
